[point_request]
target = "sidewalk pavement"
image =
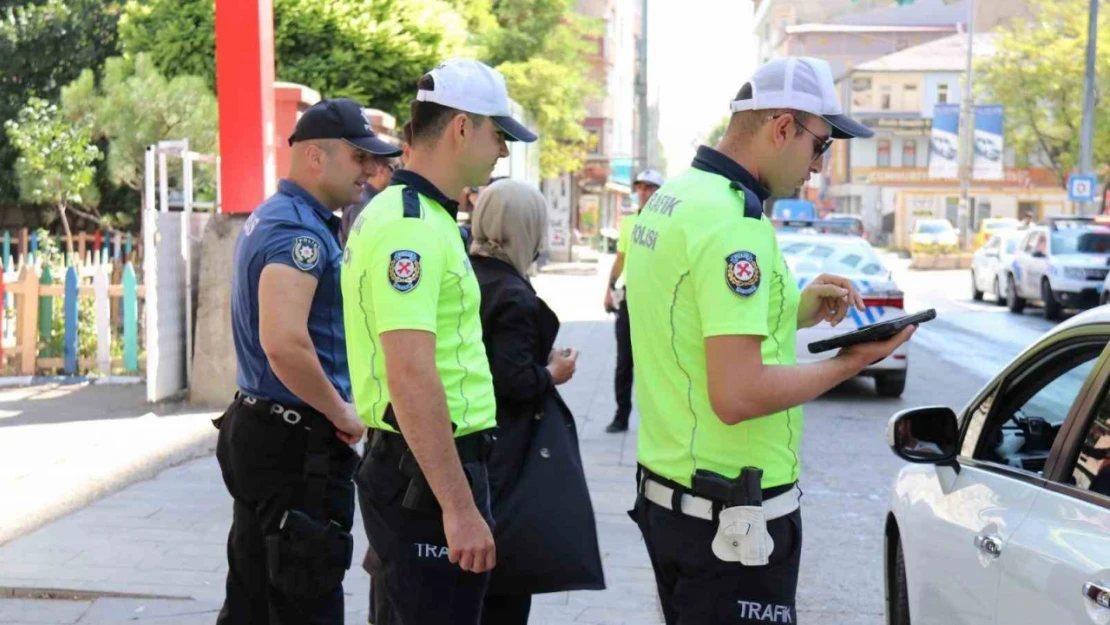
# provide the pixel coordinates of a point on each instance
(63, 446)
(155, 551)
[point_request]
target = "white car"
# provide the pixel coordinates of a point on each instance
(810, 255)
(1003, 515)
(1063, 264)
(990, 266)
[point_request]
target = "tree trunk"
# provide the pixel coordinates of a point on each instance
(69, 235)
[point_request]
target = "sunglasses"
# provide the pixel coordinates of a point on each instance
(820, 144)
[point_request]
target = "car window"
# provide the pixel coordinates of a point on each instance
(933, 227)
(1091, 471)
(848, 257)
(1081, 241)
(1017, 426)
(1011, 246)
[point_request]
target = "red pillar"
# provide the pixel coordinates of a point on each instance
(245, 84)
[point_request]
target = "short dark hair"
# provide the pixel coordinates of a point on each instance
(406, 133)
(428, 119)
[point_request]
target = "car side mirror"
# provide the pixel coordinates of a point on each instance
(925, 435)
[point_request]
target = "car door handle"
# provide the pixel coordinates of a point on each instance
(990, 545)
(1098, 594)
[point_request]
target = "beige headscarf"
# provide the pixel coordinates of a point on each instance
(509, 223)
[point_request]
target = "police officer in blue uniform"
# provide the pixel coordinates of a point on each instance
(284, 444)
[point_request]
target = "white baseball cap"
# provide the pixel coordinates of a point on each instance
(650, 176)
(803, 84)
(474, 87)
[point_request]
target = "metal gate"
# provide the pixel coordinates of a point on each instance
(172, 240)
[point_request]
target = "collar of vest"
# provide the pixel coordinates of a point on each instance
(714, 162)
(424, 187)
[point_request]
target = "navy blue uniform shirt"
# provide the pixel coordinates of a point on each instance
(292, 228)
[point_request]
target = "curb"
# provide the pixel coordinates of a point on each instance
(196, 443)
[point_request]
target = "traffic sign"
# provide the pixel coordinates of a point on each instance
(1081, 188)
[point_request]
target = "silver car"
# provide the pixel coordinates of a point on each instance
(990, 267)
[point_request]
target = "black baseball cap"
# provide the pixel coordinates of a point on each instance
(341, 118)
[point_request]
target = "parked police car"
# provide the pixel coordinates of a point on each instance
(1063, 263)
(821, 248)
(1003, 515)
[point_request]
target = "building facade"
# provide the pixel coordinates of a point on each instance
(886, 179)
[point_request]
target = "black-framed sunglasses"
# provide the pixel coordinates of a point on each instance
(820, 144)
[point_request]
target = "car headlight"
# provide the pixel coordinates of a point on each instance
(1075, 273)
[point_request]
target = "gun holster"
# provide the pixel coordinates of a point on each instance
(308, 557)
(418, 495)
(742, 534)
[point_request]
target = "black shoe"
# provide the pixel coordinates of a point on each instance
(618, 425)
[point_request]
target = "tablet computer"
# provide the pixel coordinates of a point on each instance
(875, 332)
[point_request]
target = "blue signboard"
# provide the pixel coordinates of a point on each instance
(1081, 188)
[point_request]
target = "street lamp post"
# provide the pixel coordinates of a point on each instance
(1086, 132)
(967, 137)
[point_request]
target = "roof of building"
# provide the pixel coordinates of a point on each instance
(920, 13)
(948, 54)
(866, 28)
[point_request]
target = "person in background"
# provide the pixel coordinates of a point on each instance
(645, 186)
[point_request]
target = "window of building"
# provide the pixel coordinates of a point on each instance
(884, 97)
(909, 153)
(952, 209)
(942, 93)
(862, 98)
(884, 153)
(910, 99)
(982, 211)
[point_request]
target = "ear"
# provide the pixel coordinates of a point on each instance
(460, 126)
(782, 129)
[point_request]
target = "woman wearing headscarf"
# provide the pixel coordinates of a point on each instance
(542, 512)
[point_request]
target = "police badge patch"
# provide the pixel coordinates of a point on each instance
(404, 270)
(742, 273)
(306, 253)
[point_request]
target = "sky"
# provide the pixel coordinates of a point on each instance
(699, 53)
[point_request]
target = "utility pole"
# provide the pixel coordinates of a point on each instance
(967, 137)
(642, 91)
(1086, 132)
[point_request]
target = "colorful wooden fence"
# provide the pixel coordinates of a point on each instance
(22, 248)
(31, 290)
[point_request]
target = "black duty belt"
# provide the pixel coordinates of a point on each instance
(474, 447)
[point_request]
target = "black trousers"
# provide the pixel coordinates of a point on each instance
(262, 458)
(622, 381)
(506, 610)
(414, 582)
(697, 588)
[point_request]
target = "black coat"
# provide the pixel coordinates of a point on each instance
(519, 331)
(544, 523)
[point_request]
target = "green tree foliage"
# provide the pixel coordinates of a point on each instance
(373, 51)
(56, 161)
(1037, 74)
(546, 65)
(45, 44)
(135, 106)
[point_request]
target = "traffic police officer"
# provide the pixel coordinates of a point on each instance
(646, 184)
(284, 444)
(421, 378)
(714, 315)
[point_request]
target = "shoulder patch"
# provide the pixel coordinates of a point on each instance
(404, 270)
(742, 273)
(306, 253)
(251, 224)
(410, 202)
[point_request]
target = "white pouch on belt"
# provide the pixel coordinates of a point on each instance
(742, 536)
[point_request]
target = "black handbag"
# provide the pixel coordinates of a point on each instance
(545, 532)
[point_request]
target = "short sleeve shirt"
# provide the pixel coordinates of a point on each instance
(405, 268)
(703, 262)
(294, 229)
